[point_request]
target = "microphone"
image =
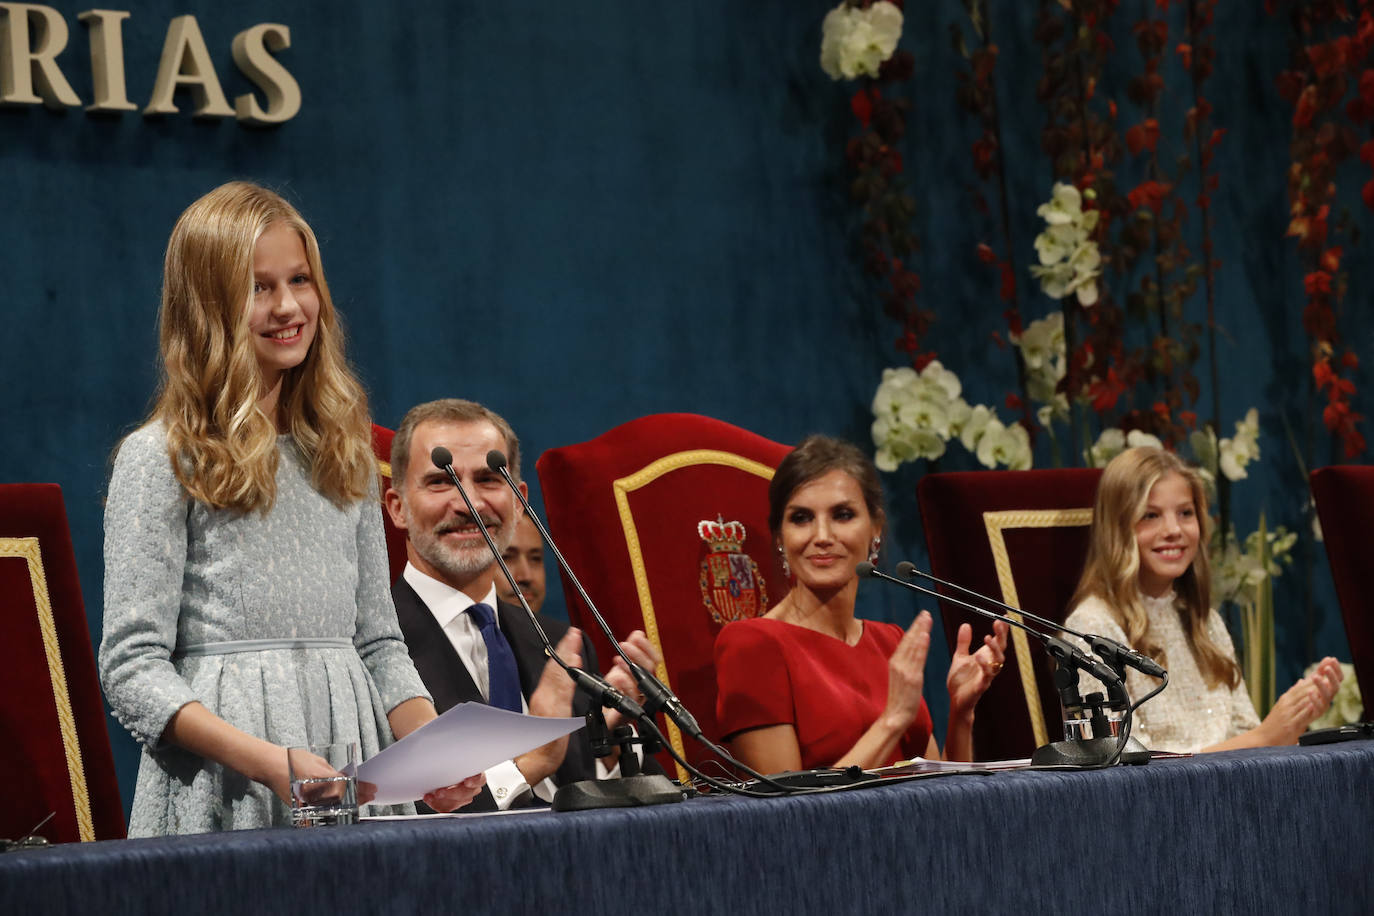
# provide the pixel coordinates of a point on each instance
(1070, 659)
(656, 693)
(593, 684)
(1116, 654)
(1061, 651)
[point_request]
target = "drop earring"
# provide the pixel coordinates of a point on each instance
(873, 549)
(786, 569)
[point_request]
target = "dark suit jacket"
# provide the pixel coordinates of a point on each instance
(448, 680)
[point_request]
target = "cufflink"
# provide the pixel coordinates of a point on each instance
(502, 792)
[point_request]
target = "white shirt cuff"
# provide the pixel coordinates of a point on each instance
(506, 783)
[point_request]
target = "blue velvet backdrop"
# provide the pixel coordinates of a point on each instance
(582, 213)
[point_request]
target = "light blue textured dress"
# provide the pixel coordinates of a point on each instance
(282, 625)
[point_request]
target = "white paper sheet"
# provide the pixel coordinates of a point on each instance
(465, 740)
(922, 765)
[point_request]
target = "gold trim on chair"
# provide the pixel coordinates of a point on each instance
(622, 489)
(996, 523)
(27, 549)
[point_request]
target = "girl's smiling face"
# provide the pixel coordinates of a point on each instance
(1167, 534)
(285, 305)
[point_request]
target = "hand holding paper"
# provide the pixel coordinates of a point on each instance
(463, 742)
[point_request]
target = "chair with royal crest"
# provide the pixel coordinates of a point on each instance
(665, 521)
(395, 537)
(1345, 506)
(55, 757)
(1020, 537)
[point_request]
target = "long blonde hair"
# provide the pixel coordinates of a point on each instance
(1113, 565)
(222, 445)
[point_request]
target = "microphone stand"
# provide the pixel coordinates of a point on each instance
(1069, 660)
(1114, 654)
(629, 790)
(658, 697)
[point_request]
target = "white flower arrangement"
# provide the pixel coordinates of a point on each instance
(1239, 570)
(855, 42)
(1069, 259)
(1043, 352)
(1113, 442)
(916, 414)
(1008, 445)
(1235, 453)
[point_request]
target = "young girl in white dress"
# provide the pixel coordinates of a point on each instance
(247, 602)
(1147, 583)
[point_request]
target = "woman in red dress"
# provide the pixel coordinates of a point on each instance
(809, 684)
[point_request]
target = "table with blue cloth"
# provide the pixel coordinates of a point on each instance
(1271, 830)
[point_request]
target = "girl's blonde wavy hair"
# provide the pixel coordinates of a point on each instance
(222, 445)
(1113, 564)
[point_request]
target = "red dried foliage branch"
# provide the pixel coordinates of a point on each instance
(977, 95)
(1140, 231)
(1081, 139)
(1330, 85)
(878, 186)
(1153, 233)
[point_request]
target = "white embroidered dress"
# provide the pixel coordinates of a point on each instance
(1188, 715)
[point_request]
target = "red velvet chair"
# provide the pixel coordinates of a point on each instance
(395, 537)
(55, 751)
(665, 521)
(1345, 506)
(1021, 537)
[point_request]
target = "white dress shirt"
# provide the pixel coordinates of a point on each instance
(449, 607)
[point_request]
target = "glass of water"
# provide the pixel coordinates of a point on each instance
(324, 791)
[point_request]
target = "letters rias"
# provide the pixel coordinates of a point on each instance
(32, 36)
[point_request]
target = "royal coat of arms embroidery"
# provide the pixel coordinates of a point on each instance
(732, 587)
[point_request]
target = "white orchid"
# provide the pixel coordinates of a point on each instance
(973, 427)
(1238, 570)
(855, 42)
(1139, 439)
(1070, 261)
(1008, 445)
(1064, 207)
(1043, 352)
(1109, 444)
(916, 413)
(1057, 408)
(1241, 449)
(1042, 341)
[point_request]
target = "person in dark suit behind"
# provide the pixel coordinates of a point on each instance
(467, 644)
(525, 560)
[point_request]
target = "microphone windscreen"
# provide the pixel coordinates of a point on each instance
(906, 569)
(441, 457)
(865, 569)
(496, 459)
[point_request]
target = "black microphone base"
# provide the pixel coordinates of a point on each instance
(626, 792)
(1089, 752)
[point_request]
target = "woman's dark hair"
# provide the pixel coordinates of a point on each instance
(815, 457)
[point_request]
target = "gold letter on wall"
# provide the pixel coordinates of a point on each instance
(186, 63)
(107, 59)
(24, 68)
(252, 49)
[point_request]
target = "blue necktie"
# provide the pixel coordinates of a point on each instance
(502, 676)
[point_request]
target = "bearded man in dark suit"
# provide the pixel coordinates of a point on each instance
(466, 644)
